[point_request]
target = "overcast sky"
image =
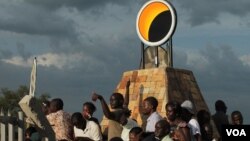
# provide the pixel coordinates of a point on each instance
(86, 45)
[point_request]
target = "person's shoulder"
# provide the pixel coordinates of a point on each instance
(156, 115)
(64, 112)
(91, 124)
(117, 112)
(193, 121)
(94, 119)
(167, 138)
(131, 123)
(36, 137)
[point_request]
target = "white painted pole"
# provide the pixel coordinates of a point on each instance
(10, 129)
(3, 126)
(20, 126)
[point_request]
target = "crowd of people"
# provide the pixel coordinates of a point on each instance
(181, 123)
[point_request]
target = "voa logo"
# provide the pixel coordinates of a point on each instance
(236, 132)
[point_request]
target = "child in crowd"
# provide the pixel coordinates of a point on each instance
(84, 129)
(237, 118)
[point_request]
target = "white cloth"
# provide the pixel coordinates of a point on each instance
(195, 128)
(126, 128)
(167, 138)
(91, 131)
(151, 121)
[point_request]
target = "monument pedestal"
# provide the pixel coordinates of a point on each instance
(165, 84)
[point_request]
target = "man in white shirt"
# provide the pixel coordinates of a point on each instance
(187, 115)
(149, 106)
(127, 124)
(85, 129)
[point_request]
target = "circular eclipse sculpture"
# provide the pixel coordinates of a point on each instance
(156, 22)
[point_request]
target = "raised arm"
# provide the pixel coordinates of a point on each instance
(126, 97)
(108, 114)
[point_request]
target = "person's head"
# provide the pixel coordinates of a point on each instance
(55, 105)
(116, 100)
(124, 117)
(149, 105)
(237, 118)
(45, 107)
(173, 110)
(162, 128)
(78, 121)
(187, 110)
(88, 109)
(203, 116)
(134, 134)
(29, 131)
(220, 106)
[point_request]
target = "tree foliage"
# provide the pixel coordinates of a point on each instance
(9, 99)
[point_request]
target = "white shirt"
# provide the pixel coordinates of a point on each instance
(151, 121)
(126, 128)
(195, 128)
(167, 138)
(91, 131)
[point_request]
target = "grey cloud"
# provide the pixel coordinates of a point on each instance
(5, 53)
(224, 77)
(79, 4)
(26, 19)
(13, 76)
(223, 69)
(22, 50)
(204, 11)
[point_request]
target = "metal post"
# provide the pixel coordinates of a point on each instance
(142, 56)
(171, 52)
(20, 126)
(10, 129)
(3, 126)
(156, 57)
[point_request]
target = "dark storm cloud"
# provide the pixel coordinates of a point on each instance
(22, 50)
(206, 11)
(79, 4)
(222, 76)
(225, 78)
(223, 69)
(27, 19)
(13, 76)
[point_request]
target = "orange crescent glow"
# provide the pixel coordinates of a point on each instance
(147, 16)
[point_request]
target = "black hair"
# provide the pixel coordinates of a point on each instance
(90, 106)
(30, 130)
(118, 96)
(220, 105)
(153, 101)
(58, 103)
(203, 117)
(165, 124)
(176, 107)
(237, 113)
(136, 130)
(78, 120)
